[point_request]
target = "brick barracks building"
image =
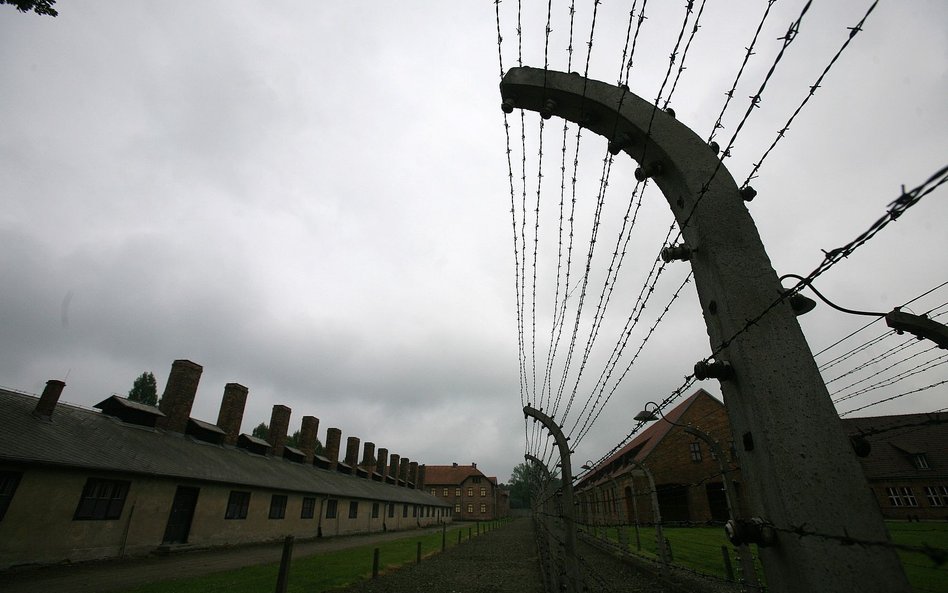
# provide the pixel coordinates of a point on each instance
(131, 479)
(472, 495)
(686, 474)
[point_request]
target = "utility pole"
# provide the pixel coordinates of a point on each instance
(801, 473)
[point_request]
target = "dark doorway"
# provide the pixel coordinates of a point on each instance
(631, 514)
(717, 502)
(182, 512)
(673, 502)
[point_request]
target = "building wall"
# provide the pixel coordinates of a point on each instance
(925, 507)
(682, 482)
(39, 525)
(459, 502)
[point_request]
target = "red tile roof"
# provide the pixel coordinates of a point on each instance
(449, 475)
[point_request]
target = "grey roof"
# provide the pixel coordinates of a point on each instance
(207, 426)
(80, 438)
(127, 403)
(895, 439)
(256, 440)
(294, 450)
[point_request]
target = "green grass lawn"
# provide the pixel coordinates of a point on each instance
(923, 573)
(322, 572)
(699, 549)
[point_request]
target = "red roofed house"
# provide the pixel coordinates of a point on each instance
(685, 471)
(474, 496)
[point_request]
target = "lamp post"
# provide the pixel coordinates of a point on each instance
(730, 492)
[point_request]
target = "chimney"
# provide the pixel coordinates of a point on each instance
(232, 411)
(333, 437)
(393, 467)
(381, 462)
(47, 402)
(352, 453)
(403, 471)
(420, 484)
(178, 397)
(279, 424)
(368, 457)
(454, 465)
(308, 430)
(413, 474)
(474, 465)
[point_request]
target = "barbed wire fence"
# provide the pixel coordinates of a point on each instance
(554, 381)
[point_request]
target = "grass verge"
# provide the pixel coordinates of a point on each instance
(699, 549)
(321, 572)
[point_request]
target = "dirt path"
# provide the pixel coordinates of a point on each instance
(501, 561)
(120, 575)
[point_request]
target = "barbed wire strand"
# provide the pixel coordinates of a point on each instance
(782, 132)
(749, 51)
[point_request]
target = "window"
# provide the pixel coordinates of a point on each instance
(277, 506)
(470, 491)
(434, 492)
(237, 505)
(8, 483)
(483, 491)
(102, 499)
(414, 510)
(457, 508)
(457, 492)
(937, 495)
(444, 491)
(309, 508)
(404, 510)
(331, 508)
(477, 479)
(921, 461)
(483, 508)
(901, 497)
(695, 449)
(375, 510)
(353, 509)
(470, 508)
(391, 509)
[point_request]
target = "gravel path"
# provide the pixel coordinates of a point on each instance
(501, 561)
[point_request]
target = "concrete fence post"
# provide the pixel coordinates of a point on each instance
(797, 463)
(283, 575)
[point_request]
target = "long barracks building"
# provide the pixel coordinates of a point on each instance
(76, 484)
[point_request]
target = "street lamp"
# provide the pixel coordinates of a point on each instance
(730, 492)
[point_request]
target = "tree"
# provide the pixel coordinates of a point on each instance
(261, 431)
(145, 389)
(44, 7)
(524, 481)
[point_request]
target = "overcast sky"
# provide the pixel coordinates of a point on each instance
(312, 199)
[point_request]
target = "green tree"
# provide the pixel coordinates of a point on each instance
(144, 390)
(526, 479)
(261, 431)
(44, 7)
